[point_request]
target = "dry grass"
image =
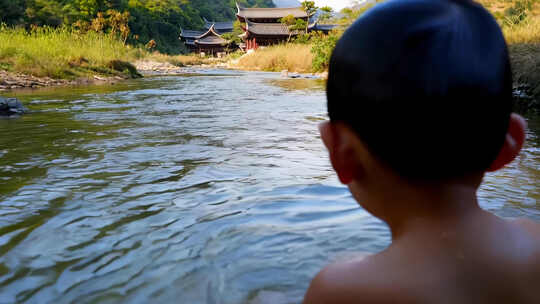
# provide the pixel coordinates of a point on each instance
(291, 57)
(178, 60)
(526, 32)
(499, 6)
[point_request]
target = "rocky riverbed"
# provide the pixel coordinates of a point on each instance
(12, 81)
(148, 67)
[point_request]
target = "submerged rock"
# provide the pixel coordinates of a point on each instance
(11, 106)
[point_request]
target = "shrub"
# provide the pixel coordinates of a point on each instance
(322, 48)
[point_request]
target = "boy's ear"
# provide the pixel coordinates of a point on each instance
(515, 138)
(340, 144)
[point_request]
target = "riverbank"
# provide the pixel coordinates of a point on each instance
(48, 57)
(54, 57)
(524, 48)
(14, 81)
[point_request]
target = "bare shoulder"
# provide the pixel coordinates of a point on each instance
(530, 226)
(346, 282)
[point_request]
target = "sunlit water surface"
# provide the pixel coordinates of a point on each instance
(188, 189)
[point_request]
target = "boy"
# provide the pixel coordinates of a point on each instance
(420, 99)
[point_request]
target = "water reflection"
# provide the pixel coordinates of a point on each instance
(203, 189)
(299, 84)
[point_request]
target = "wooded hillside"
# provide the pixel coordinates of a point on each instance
(158, 20)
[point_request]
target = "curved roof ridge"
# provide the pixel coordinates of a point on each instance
(210, 30)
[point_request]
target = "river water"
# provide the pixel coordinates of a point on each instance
(210, 188)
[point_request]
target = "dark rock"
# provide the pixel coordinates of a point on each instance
(11, 106)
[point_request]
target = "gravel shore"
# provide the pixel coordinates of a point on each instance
(13, 81)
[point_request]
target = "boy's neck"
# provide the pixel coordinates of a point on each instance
(433, 209)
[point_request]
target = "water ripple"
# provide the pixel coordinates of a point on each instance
(210, 188)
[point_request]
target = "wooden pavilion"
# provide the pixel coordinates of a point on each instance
(263, 34)
(209, 42)
(263, 25)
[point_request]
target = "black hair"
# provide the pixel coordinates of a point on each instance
(426, 85)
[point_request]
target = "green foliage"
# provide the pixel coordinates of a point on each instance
(326, 13)
(309, 7)
(305, 38)
(322, 48)
(11, 11)
(518, 12)
(295, 25)
(234, 36)
(299, 25)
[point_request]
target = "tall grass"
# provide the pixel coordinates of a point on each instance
(525, 32)
(524, 47)
(291, 57)
(60, 53)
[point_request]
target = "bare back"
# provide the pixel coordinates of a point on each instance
(498, 262)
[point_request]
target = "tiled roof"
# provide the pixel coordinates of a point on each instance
(219, 26)
(190, 34)
(211, 40)
(255, 13)
(210, 37)
(275, 29)
(323, 27)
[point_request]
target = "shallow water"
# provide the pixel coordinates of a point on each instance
(187, 189)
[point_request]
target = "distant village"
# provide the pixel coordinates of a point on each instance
(261, 26)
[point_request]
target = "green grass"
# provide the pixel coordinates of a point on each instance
(62, 53)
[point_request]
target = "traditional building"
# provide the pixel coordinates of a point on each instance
(220, 27)
(209, 42)
(263, 25)
(263, 34)
(189, 37)
(325, 28)
(269, 15)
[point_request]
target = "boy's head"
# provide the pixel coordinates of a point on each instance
(426, 85)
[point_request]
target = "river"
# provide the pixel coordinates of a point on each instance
(209, 188)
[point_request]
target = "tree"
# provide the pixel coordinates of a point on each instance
(11, 11)
(233, 37)
(293, 24)
(310, 8)
(327, 12)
